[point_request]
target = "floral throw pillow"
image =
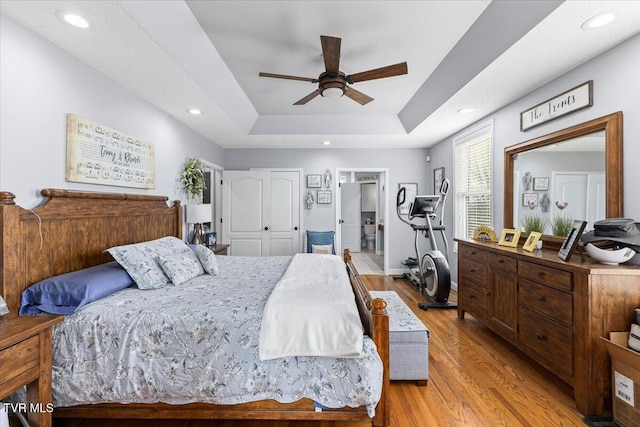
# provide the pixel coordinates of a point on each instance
(207, 259)
(181, 267)
(141, 260)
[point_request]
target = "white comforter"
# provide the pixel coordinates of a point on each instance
(327, 324)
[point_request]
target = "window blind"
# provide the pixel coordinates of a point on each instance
(472, 163)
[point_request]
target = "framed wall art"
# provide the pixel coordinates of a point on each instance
(529, 199)
(541, 184)
(438, 176)
(314, 181)
(324, 197)
(97, 154)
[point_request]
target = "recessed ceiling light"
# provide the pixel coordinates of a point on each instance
(599, 21)
(72, 19)
(194, 111)
(466, 110)
(326, 142)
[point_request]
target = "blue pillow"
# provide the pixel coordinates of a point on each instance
(320, 238)
(65, 294)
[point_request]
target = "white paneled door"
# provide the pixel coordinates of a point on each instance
(350, 217)
(261, 212)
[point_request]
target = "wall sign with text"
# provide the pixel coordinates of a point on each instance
(568, 102)
(97, 154)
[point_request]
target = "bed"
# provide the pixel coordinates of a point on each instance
(76, 228)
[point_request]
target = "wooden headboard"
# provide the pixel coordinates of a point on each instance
(76, 227)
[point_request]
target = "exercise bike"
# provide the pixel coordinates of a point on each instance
(429, 272)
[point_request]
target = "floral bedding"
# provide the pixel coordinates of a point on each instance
(198, 342)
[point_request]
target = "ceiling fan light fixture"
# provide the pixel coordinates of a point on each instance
(332, 92)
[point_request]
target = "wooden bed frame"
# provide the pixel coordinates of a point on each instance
(71, 230)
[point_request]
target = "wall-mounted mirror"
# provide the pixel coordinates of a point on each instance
(575, 173)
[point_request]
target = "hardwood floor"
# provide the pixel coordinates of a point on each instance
(476, 379)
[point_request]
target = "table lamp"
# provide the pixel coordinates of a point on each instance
(198, 214)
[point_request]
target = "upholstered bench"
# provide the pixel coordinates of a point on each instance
(408, 341)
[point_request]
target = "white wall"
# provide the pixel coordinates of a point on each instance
(405, 165)
(40, 84)
(616, 87)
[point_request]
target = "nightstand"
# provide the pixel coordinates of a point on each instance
(220, 248)
(25, 359)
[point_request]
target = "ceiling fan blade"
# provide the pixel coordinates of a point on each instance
(308, 97)
(379, 73)
(357, 96)
(283, 76)
(331, 53)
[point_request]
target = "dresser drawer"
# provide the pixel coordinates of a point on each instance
(503, 262)
(546, 340)
(18, 361)
(546, 300)
(473, 299)
(467, 252)
(475, 271)
(546, 275)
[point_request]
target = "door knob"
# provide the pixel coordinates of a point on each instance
(266, 228)
(295, 228)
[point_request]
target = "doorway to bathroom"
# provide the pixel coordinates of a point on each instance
(361, 209)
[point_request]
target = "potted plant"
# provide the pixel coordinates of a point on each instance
(192, 178)
(534, 222)
(561, 226)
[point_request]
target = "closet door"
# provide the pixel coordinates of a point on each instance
(245, 217)
(261, 212)
(284, 207)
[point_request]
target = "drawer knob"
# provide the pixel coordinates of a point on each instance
(539, 336)
(540, 273)
(472, 296)
(540, 297)
(473, 252)
(473, 270)
(500, 261)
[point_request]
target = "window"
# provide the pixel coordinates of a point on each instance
(472, 164)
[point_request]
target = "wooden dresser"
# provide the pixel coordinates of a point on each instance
(554, 311)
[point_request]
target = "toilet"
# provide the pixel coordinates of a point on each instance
(370, 235)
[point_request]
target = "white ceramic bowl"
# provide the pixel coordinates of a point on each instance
(609, 256)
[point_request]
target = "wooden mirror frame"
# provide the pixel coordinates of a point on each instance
(612, 127)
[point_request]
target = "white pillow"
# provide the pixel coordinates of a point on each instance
(208, 259)
(141, 260)
(321, 249)
(181, 267)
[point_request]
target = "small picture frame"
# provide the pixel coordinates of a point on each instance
(571, 241)
(532, 241)
(541, 184)
(438, 177)
(314, 181)
(528, 198)
(210, 239)
(324, 197)
(509, 237)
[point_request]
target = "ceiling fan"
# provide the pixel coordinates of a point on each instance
(333, 82)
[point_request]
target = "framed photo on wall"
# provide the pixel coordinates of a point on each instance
(529, 198)
(314, 181)
(438, 176)
(541, 184)
(324, 197)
